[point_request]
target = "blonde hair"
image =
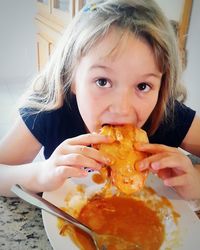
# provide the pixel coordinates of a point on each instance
(143, 18)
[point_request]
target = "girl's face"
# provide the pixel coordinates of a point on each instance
(117, 82)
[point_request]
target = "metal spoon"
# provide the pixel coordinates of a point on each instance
(40, 202)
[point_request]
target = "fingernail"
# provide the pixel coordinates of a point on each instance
(84, 173)
(109, 161)
(138, 145)
(106, 160)
(166, 183)
(109, 138)
(155, 165)
(141, 166)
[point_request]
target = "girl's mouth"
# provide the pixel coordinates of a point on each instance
(114, 124)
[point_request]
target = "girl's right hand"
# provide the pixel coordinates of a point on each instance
(69, 160)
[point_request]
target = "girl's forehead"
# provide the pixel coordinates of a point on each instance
(118, 44)
(115, 43)
(109, 45)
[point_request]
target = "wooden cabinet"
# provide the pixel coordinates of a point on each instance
(43, 50)
(52, 18)
(183, 28)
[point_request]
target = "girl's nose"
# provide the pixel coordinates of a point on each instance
(121, 104)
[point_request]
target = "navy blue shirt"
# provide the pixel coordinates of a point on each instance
(53, 127)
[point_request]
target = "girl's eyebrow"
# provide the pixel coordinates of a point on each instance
(97, 66)
(158, 75)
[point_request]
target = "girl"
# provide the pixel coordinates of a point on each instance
(117, 63)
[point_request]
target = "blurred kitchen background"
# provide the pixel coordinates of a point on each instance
(29, 29)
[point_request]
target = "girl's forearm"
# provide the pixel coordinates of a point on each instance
(25, 175)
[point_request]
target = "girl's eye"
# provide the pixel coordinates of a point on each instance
(103, 83)
(143, 87)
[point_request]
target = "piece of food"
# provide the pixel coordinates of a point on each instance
(123, 171)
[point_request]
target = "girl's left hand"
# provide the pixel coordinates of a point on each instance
(173, 167)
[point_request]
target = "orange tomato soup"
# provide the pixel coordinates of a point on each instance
(125, 217)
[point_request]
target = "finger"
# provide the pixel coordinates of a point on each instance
(176, 181)
(78, 161)
(146, 162)
(67, 171)
(87, 152)
(154, 148)
(144, 166)
(88, 139)
(166, 160)
(172, 161)
(91, 153)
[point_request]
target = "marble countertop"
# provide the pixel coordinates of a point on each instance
(21, 226)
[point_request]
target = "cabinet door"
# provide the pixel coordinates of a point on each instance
(43, 51)
(62, 11)
(43, 7)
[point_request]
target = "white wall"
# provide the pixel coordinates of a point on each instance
(17, 39)
(192, 72)
(172, 8)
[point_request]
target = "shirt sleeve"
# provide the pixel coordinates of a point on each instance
(52, 127)
(35, 123)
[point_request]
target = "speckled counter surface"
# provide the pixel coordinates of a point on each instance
(21, 226)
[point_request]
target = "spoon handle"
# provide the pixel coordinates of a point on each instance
(40, 202)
